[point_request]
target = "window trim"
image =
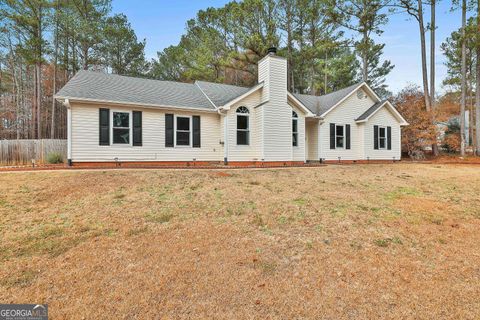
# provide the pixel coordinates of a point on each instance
(385, 137)
(190, 131)
(344, 136)
(295, 118)
(130, 124)
(242, 114)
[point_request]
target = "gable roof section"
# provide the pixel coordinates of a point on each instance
(377, 106)
(370, 111)
(100, 87)
(300, 104)
(321, 104)
(251, 90)
(221, 94)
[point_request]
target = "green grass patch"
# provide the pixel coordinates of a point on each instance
(300, 201)
(402, 191)
(385, 242)
(22, 280)
(159, 217)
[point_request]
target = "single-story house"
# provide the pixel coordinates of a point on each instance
(118, 119)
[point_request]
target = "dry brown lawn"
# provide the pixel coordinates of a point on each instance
(395, 241)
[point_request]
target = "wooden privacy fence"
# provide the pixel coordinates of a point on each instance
(21, 152)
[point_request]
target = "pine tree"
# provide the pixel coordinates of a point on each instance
(365, 18)
(120, 50)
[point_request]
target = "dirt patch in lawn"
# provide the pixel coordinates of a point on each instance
(339, 242)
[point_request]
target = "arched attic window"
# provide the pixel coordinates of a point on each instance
(243, 126)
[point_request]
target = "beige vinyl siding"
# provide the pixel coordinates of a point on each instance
(251, 152)
(311, 129)
(345, 113)
(298, 152)
(258, 138)
(263, 76)
(223, 135)
(382, 117)
(361, 141)
(85, 137)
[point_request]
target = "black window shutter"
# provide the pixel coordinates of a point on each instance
(389, 138)
(332, 135)
(347, 136)
(375, 137)
(169, 130)
(137, 128)
(104, 122)
(196, 131)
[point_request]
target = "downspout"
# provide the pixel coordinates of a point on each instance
(224, 113)
(225, 140)
(69, 131)
(263, 134)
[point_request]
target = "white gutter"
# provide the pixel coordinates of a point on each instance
(225, 138)
(69, 131)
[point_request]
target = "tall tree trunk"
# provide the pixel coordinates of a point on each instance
(365, 57)
(477, 91)
(34, 104)
(16, 89)
(464, 80)
(432, 68)
(432, 55)
(54, 84)
(424, 55)
(326, 73)
(289, 30)
(38, 72)
(85, 58)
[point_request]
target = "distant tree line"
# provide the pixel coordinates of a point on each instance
(43, 43)
(225, 44)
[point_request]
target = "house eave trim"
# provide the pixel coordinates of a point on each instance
(308, 113)
(363, 84)
(397, 114)
(237, 99)
(123, 103)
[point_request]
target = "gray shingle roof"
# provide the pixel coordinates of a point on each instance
(320, 104)
(220, 94)
(110, 87)
(371, 110)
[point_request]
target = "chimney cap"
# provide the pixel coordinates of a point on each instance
(272, 50)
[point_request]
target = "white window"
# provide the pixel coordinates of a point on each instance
(182, 131)
(382, 137)
(121, 125)
(339, 136)
(243, 126)
(294, 129)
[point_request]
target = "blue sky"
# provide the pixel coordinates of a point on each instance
(163, 22)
